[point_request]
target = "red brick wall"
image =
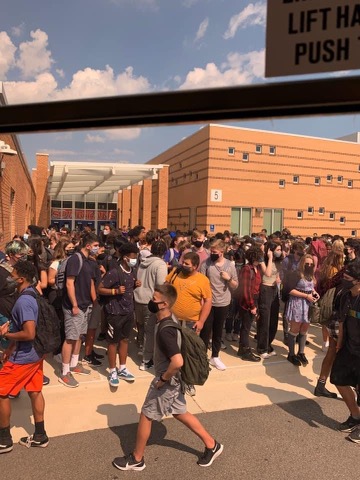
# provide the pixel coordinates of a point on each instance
(42, 198)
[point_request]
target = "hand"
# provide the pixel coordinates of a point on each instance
(253, 311)
(138, 283)
(159, 384)
(270, 254)
(121, 290)
(197, 327)
(4, 328)
(225, 276)
(102, 269)
(75, 311)
(6, 356)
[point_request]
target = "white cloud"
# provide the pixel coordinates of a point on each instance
(59, 153)
(34, 57)
(119, 151)
(253, 14)
(202, 29)
(60, 72)
(18, 30)
(94, 138)
(39, 90)
(239, 69)
(114, 134)
(7, 54)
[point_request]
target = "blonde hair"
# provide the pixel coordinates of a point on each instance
(218, 245)
(338, 247)
(302, 262)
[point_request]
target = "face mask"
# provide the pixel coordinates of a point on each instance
(106, 232)
(131, 262)
(308, 270)
(260, 260)
(23, 258)
(154, 306)
(198, 244)
(101, 256)
(185, 270)
(214, 257)
(70, 252)
(30, 257)
(277, 254)
(94, 250)
(11, 283)
(26, 237)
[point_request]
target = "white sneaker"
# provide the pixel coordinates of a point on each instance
(325, 347)
(217, 363)
(265, 355)
(272, 354)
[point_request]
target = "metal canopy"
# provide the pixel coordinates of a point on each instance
(96, 179)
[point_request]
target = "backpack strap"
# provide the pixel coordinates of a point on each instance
(172, 255)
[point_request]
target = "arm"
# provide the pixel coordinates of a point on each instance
(52, 276)
(43, 283)
(93, 291)
(204, 313)
(268, 268)
(25, 335)
(176, 362)
(70, 287)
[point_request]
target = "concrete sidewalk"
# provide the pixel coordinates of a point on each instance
(94, 405)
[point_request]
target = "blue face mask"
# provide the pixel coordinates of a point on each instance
(94, 250)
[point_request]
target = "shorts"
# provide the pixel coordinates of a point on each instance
(14, 377)
(95, 316)
(76, 325)
(346, 369)
(333, 329)
(119, 327)
(168, 400)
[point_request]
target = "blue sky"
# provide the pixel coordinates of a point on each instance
(86, 48)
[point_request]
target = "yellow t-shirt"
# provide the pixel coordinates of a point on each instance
(191, 292)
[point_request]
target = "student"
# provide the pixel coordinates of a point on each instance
(23, 368)
(165, 394)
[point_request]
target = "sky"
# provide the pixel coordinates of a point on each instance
(74, 49)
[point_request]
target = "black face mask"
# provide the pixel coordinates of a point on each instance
(101, 257)
(198, 244)
(185, 270)
(154, 306)
(70, 252)
(30, 258)
(214, 257)
(309, 270)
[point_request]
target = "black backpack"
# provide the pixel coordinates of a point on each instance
(195, 370)
(60, 281)
(47, 337)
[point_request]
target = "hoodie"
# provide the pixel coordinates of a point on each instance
(152, 271)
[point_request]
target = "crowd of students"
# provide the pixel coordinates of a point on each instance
(110, 283)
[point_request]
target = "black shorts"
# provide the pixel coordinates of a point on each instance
(119, 327)
(346, 369)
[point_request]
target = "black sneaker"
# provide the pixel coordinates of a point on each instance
(350, 424)
(41, 441)
(146, 365)
(354, 435)
(294, 360)
(14, 396)
(322, 391)
(304, 361)
(129, 463)
(46, 380)
(247, 355)
(97, 355)
(91, 360)
(210, 454)
(6, 445)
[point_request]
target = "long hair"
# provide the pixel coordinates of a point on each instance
(332, 264)
(301, 266)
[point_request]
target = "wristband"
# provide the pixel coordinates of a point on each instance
(162, 379)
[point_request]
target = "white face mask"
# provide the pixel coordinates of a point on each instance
(106, 232)
(131, 262)
(26, 237)
(277, 254)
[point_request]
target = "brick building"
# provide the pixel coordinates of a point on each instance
(224, 177)
(17, 193)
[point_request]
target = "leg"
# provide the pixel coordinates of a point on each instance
(304, 327)
(328, 359)
(263, 323)
(205, 333)
(274, 318)
(192, 423)
(89, 341)
(220, 314)
(123, 350)
(112, 349)
(149, 330)
(5, 412)
(348, 395)
(38, 405)
(246, 322)
(142, 436)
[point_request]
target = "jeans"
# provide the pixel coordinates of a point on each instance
(145, 321)
(246, 319)
(267, 325)
(215, 324)
(232, 323)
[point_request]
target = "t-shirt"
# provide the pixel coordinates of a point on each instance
(221, 293)
(271, 280)
(165, 346)
(8, 293)
(82, 281)
(120, 304)
(172, 256)
(191, 291)
(24, 310)
(352, 328)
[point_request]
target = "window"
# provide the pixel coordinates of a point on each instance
(321, 210)
(282, 183)
(79, 205)
(317, 180)
(311, 210)
(245, 157)
(90, 205)
(295, 179)
(102, 206)
(340, 178)
(258, 148)
(329, 178)
(350, 184)
(67, 204)
(241, 220)
(353, 233)
(272, 150)
(231, 151)
(332, 215)
(299, 215)
(273, 219)
(56, 203)
(358, 171)
(112, 206)
(342, 220)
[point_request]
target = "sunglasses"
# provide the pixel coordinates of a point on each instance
(309, 264)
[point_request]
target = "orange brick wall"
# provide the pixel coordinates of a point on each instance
(15, 183)
(201, 162)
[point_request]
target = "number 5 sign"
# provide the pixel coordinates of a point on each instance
(216, 195)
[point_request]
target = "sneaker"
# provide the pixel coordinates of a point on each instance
(325, 347)
(113, 379)
(97, 355)
(80, 370)
(223, 346)
(210, 454)
(6, 445)
(92, 361)
(264, 355)
(14, 396)
(42, 441)
(46, 380)
(349, 425)
(124, 374)
(304, 361)
(247, 355)
(272, 353)
(190, 390)
(217, 363)
(68, 380)
(354, 435)
(235, 337)
(228, 337)
(294, 360)
(101, 337)
(322, 391)
(146, 365)
(129, 463)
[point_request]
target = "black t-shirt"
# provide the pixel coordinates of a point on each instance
(82, 280)
(352, 328)
(8, 294)
(168, 341)
(120, 304)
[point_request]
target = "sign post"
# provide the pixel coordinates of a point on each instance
(312, 36)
